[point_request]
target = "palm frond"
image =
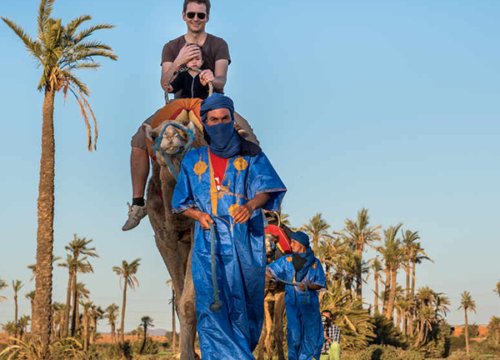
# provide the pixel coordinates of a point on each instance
(33, 48)
(75, 23)
(87, 32)
(44, 11)
(83, 111)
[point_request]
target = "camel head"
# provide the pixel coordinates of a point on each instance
(270, 245)
(176, 137)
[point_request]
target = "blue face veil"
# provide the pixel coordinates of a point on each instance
(222, 139)
(302, 261)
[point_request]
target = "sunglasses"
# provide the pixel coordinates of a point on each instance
(191, 15)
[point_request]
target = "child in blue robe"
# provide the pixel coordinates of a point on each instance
(304, 328)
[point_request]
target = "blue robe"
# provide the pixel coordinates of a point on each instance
(233, 332)
(304, 328)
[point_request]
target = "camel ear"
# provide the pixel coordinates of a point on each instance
(151, 134)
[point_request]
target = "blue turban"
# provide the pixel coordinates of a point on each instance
(301, 237)
(222, 139)
(216, 101)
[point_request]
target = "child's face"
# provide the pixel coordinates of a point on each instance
(195, 63)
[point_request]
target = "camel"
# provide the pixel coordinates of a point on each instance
(174, 233)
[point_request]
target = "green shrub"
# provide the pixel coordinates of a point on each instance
(378, 352)
(152, 347)
(412, 355)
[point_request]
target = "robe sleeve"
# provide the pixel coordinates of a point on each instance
(316, 275)
(264, 179)
(183, 195)
(277, 269)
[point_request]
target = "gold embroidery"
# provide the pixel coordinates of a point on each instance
(240, 164)
(233, 207)
(289, 258)
(200, 167)
(314, 266)
(213, 186)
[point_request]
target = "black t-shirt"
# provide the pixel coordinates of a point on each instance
(190, 86)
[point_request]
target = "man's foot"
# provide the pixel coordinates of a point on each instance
(135, 215)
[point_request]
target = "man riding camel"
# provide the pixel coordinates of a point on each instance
(224, 186)
(175, 54)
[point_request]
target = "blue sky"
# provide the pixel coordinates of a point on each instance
(389, 105)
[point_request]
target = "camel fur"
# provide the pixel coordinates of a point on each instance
(174, 233)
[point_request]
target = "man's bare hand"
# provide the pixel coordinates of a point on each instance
(302, 286)
(206, 76)
(205, 220)
(242, 213)
(187, 54)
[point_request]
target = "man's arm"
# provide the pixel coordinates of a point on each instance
(314, 287)
(186, 54)
(220, 79)
(203, 218)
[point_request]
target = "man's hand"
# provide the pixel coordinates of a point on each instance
(205, 220)
(302, 286)
(243, 213)
(187, 54)
(206, 76)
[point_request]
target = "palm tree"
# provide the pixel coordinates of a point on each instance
(377, 269)
(76, 262)
(96, 313)
(3, 285)
(172, 301)
(359, 235)
(497, 289)
(111, 315)
(57, 310)
(31, 297)
(85, 318)
(60, 51)
(126, 273)
(392, 254)
(317, 229)
(10, 328)
(83, 294)
(24, 321)
(494, 331)
(409, 240)
(146, 322)
(468, 304)
(16, 286)
(32, 267)
(418, 255)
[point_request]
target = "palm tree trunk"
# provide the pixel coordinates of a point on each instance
(376, 296)
(466, 332)
(405, 318)
(113, 333)
(174, 331)
(359, 275)
(412, 309)
(74, 314)
(93, 330)
(45, 232)
(32, 313)
(392, 296)
(387, 290)
(16, 322)
(68, 305)
(122, 327)
(85, 329)
(398, 319)
(145, 337)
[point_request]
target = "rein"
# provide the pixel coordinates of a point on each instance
(181, 151)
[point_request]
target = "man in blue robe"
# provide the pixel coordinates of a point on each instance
(304, 328)
(226, 184)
